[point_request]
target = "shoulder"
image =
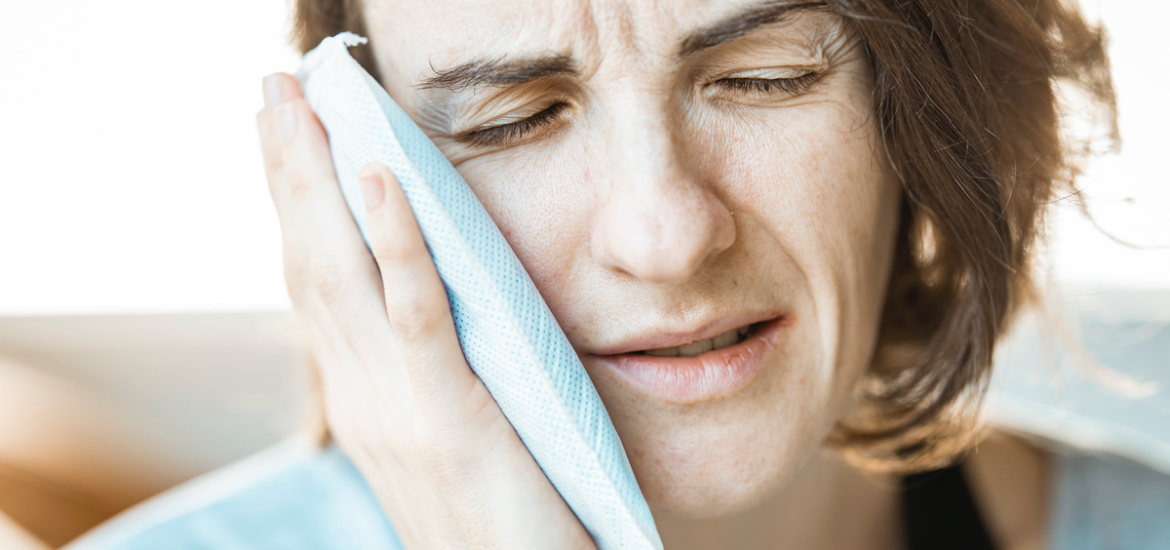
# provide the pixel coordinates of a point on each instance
(292, 496)
(1009, 479)
(1036, 494)
(1105, 501)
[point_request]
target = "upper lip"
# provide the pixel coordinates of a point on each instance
(658, 339)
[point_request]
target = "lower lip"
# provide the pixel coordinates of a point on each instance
(717, 374)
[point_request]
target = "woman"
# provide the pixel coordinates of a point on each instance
(783, 236)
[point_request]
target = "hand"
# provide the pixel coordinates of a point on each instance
(399, 398)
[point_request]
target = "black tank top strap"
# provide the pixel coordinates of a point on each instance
(940, 513)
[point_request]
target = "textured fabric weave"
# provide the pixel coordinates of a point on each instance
(508, 334)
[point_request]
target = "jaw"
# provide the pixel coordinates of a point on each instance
(720, 457)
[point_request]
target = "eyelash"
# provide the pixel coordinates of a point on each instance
(791, 86)
(505, 133)
(508, 132)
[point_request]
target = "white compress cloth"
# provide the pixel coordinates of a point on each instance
(508, 334)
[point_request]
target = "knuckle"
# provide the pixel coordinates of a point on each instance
(396, 251)
(329, 281)
(296, 176)
(413, 319)
(273, 165)
(298, 184)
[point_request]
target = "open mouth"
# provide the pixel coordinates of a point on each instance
(711, 369)
(727, 339)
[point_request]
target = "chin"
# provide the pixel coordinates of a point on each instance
(701, 481)
(720, 457)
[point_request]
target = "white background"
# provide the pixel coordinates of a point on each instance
(131, 181)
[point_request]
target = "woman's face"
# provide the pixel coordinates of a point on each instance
(670, 173)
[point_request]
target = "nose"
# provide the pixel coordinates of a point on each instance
(658, 219)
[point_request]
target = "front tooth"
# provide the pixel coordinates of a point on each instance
(663, 352)
(744, 330)
(728, 338)
(691, 350)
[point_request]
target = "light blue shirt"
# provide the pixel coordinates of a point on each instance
(295, 497)
(290, 497)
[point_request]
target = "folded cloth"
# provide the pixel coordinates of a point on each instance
(508, 334)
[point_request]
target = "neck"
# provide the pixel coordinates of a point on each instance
(827, 504)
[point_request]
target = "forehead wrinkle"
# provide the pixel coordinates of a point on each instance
(577, 30)
(634, 39)
(615, 26)
(762, 14)
(575, 24)
(528, 44)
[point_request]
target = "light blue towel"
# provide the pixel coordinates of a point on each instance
(508, 334)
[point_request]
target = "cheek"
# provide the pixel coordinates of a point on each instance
(540, 200)
(814, 211)
(812, 178)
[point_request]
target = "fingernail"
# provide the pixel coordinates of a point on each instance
(372, 189)
(272, 91)
(286, 119)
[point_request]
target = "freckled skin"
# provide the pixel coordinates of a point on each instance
(660, 201)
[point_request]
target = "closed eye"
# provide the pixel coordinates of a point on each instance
(767, 86)
(515, 131)
(507, 133)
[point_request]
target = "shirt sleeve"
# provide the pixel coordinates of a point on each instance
(291, 497)
(1108, 503)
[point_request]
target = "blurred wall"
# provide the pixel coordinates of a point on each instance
(100, 412)
(131, 181)
(130, 172)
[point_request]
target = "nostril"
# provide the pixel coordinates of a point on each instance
(667, 248)
(667, 267)
(660, 222)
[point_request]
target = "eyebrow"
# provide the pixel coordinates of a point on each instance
(737, 25)
(497, 72)
(502, 73)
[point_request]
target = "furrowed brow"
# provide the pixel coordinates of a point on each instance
(497, 72)
(735, 26)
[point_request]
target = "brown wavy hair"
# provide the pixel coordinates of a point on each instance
(966, 96)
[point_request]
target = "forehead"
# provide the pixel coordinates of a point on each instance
(441, 33)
